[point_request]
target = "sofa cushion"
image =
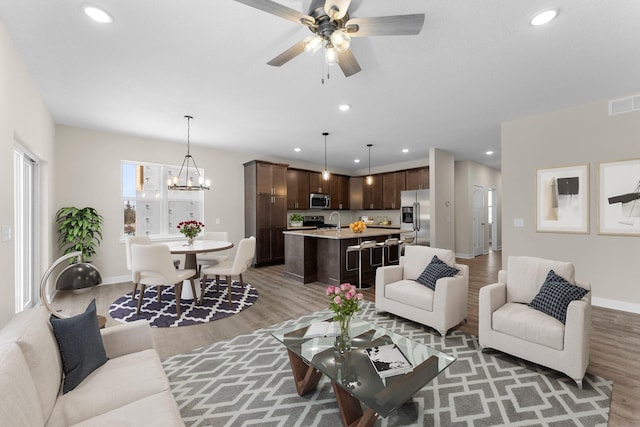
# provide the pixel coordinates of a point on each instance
(528, 324)
(436, 269)
(19, 405)
(156, 410)
(30, 329)
(80, 344)
(411, 293)
(525, 276)
(118, 382)
(555, 296)
(416, 258)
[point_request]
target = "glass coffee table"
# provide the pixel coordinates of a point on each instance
(353, 377)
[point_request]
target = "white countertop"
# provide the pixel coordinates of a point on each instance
(346, 233)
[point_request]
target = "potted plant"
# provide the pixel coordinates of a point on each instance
(79, 229)
(295, 220)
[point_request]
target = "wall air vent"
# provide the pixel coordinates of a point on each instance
(624, 105)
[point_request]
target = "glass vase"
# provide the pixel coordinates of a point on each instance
(343, 341)
(190, 241)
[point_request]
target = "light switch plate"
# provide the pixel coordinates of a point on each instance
(518, 222)
(6, 233)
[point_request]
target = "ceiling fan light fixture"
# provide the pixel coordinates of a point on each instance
(340, 40)
(312, 43)
(331, 55)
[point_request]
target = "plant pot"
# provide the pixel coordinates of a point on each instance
(295, 223)
(78, 276)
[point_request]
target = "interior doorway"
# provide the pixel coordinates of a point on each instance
(492, 202)
(478, 220)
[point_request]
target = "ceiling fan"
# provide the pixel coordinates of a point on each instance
(332, 29)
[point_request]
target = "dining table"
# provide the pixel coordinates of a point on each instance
(190, 259)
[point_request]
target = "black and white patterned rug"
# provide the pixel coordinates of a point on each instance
(163, 314)
(247, 381)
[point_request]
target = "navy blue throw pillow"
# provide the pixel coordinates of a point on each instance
(555, 295)
(80, 345)
(436, 269)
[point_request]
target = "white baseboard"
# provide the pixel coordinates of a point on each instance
(115, 279)
(464, 256)
(616, 305)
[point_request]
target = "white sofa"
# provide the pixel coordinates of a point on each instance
(130, 389)
(397, 291)
(508, 324)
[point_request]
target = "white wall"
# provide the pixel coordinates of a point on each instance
(580, 135)
(441, 184)
(89, 175)
(24, 119)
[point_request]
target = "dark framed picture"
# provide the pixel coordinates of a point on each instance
(562, 199)
(619, 198)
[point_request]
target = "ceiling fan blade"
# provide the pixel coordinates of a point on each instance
(348, 63)
(288, 54)
(399, 25)
(336, 9)
(280, 10)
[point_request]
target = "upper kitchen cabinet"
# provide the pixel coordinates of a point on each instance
(339, 191)
(297, 189)
(317, 184)
(271, 178)
(417, 179)
(372, 194)
(392, 184)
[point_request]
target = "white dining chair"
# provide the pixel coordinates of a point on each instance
(152, 265)
(139, 240)
(213, 258)
(242, 261)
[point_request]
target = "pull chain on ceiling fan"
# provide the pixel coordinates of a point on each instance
(333, 28)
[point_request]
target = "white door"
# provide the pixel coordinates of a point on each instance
(478, 220)
(25, 229)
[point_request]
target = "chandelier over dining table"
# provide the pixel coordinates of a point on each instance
(189, 178)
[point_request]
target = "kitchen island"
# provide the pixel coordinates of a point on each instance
(321, 255)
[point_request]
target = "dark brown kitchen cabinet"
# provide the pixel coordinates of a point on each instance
(417, 179)
(265, 192)
(372, 193)
(297, 189)
(339, 191)
(317, 184)
(392, 184)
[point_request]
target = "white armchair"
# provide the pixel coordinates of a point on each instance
(508, 324)
(397, 291)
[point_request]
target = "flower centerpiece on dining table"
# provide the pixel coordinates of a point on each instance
(344, 301)
(190, 229)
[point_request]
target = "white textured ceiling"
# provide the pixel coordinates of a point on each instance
(474, 65)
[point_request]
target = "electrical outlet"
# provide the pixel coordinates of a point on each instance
(217, 220)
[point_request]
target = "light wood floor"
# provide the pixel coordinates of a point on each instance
(615, 335)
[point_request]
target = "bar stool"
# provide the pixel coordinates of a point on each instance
(386, 245)
(363, 246)
(403, 242)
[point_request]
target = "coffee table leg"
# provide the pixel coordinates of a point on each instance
(351, 410)
(306, 377)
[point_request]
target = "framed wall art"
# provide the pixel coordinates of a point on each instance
(562, 200)
(619, 198)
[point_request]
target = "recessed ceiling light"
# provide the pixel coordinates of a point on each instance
(297, 149)
(356, 161)
(344, 107)
(544, 17)
(98, 14)
(488, 153)
(405, 150)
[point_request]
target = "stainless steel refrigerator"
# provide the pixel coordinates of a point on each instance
(415, 215)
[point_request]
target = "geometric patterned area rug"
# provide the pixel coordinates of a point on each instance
(247, 380)
(163, 314)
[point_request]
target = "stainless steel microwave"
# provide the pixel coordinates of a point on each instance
(319, 201)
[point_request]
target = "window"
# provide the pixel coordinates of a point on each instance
(149, 207)
(25, 228)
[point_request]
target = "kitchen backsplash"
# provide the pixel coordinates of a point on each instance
(347, 217)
